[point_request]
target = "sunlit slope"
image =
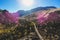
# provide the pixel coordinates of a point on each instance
(31, 17)
(35, 14)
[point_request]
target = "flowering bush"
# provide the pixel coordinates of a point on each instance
(6, 17)
(45, 18)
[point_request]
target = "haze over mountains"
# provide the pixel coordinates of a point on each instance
(24, 13)
(6, 16)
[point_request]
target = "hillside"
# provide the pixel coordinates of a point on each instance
(28, 12)
(35, 14)
(39, 24)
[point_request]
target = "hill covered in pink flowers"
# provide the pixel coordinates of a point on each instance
(19, 25)
(6, 17)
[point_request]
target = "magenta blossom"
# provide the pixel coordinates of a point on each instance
(45, 18)
(15, 17)
(6, 17)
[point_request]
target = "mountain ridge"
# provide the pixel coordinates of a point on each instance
(23, 13)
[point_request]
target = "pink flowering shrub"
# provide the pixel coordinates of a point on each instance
(15, 17)
(45, 18)
(6, 17)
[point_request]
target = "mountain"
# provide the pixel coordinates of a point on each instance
(42, 13)
(24, 13)
(6, 16)
(42, 8)
(21, 12)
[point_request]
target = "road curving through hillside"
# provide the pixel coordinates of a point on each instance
(37, 32)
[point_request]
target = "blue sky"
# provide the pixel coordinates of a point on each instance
(13, 5)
